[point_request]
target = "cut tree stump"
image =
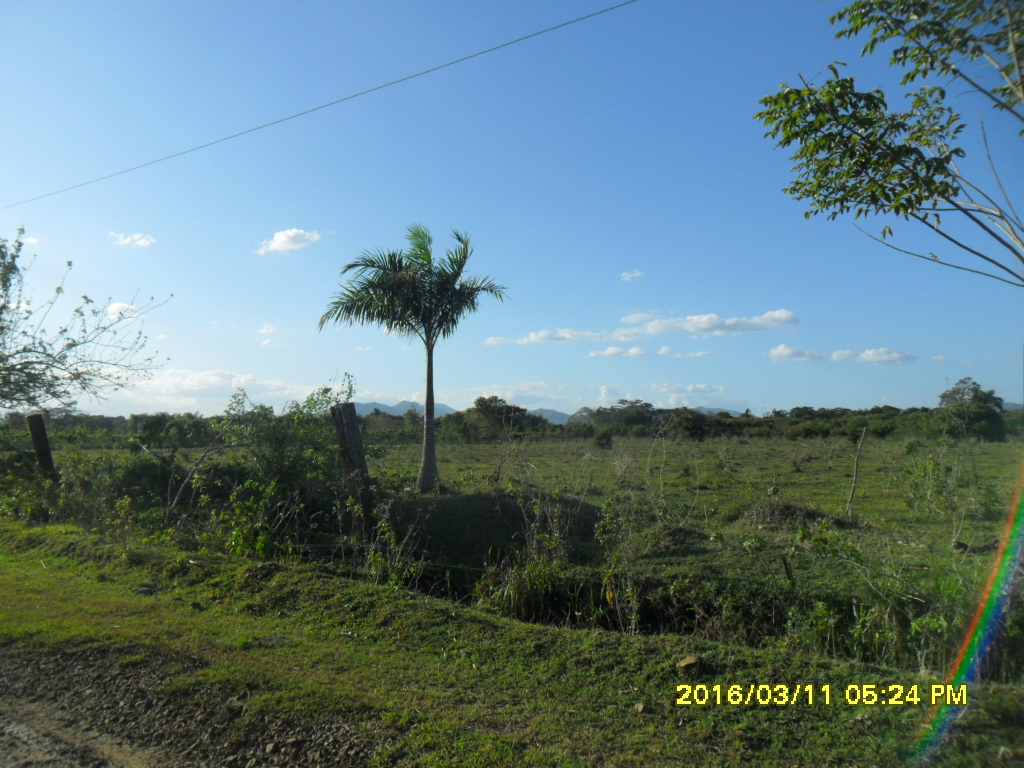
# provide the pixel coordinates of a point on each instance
(353, 459)
(37, 428)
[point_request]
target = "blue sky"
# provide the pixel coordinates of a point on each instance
(610, 174)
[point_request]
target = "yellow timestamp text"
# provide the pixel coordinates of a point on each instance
(854, 694)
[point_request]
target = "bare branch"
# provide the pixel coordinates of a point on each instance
(936, 260)
(995, 236)
(87, 355)
(992, 165)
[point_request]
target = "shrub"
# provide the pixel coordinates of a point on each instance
(603, 437)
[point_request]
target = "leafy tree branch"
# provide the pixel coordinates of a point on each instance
(855, 154)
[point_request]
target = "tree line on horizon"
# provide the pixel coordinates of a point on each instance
(964, 411)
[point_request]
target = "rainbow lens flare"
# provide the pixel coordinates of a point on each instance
(984, 628)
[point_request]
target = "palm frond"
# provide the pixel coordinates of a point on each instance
(421, 244)
(377, 261)
(457, 259)
(461, 300)
(408, 292)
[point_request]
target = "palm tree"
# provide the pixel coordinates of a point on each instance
(411, 294)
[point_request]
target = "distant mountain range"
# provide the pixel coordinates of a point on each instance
(1012, 406)
(702, 409)
(440, 409)
(555, 417)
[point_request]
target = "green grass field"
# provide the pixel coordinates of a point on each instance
(627, 561)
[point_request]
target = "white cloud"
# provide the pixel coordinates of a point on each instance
(616, 351)
(645, 324)
(664, 350)
(30, 240)
(530, 393)
(639, 317)
(704, 388)
(266, 343)
(120, 309)
(878, 356)
(784, 352)
(689, 394)
(705, 325)
(627, 276)
(364, 349)
(495, 341)
(267, 328)
(162, 336)
(884, 355)
(179, 390)
(665, 389)
(135, 241)
(940, 358)
(607, 396)
(560, 334)
(288, 240)
(702, 353)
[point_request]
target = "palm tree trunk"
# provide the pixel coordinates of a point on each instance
(428, 466)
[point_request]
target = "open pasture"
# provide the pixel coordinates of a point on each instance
(687, 529)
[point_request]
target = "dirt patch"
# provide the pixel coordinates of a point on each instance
(781, 513)
(85, 710)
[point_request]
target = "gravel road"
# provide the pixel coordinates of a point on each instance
(84, 710)
(36, 735)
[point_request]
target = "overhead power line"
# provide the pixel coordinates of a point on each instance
(324, 106)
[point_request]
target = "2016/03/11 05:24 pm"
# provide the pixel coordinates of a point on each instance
(854, 694)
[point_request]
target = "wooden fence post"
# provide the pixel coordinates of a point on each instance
(37, 428)
(353, 459)
(856, 467)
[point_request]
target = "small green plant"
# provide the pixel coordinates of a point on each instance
(624, 596)
(388, 559)
(754, 543)
(23, 503)
(526, 586)
(119, 524)
(244, 524)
